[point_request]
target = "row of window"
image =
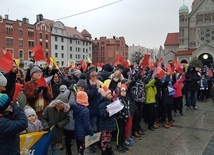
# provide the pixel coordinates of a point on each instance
(78, 42)
(78, 56)
(71, 49)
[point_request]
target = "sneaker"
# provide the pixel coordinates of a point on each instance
(128, 143)
(120, 149)
(132, 139)
(195, 108)
(165, 125)
(151, 129)
(125, 147)
(172, 124)
(136, 135)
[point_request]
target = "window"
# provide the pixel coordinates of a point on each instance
(9, 41)
(62, 39)
(21, 54)
(62, 31)
(78, 49)
(56, 47)
(55, 38)
(62, 62)
(70, 48)
(62, 47)
(86, 43)
(56, 55)
(47, 56)
(78, 56)
(20, 43)
(62, 55)
(46, 36)
(30, 32)
(20, 32)
(83, 43)
(9, 28)
(83, 56)
(70, 56)
(71, 41)
(90, 48)
(86, 50)
(90, 55)
(46, 45)
(43, 28)
(30, 43)
(40, 35)
(29, 54)
(83, 50)
(55, 30)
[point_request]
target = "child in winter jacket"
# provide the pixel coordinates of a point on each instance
(82, 122)
(56, 114)
(106, 122)
(34, 124)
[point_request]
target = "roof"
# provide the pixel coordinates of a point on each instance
(188, 52)
(72, 32)
(84, 32)
(48, 21)
(172, 39)
(184, 9)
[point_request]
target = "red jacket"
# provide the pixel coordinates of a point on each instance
(178, 86)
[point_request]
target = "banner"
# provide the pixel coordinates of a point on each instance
(115, 107)
(89, 140)
(35, 143)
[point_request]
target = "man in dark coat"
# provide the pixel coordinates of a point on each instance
(192, 79)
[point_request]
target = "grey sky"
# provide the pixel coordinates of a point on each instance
(141, 22)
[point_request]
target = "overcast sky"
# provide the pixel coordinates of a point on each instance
(141, 22)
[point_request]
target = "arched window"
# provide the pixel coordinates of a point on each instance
(40, 35)
(46, 36)
(20, 32)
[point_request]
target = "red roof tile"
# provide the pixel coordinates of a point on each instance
(72, 32)
(48, 21)
(188, 52)
(85, 32)
(172, 39)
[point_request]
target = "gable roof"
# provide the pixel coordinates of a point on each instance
(48, 21)
(84, 32)
(188, 52)
(72, 32)
(172, 39)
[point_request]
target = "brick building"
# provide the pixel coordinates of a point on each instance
(19, 37)
(106, 49)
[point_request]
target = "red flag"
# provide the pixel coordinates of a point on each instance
(39, 55)
(119, 58)
(18, 87)
(48, 60)
(100, 64)
(161, 73)
(178, 66)
(6, 62)
(83, 65)
(145, 60)
(210, 73)
(150, 65)
(125, 64)
(41, 82)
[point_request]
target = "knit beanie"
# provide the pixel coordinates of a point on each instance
(29, 112)
(4, 102)
(3, 80)
(62, 97)
(77, 72)
(34, 69)
(62, 88)
(123, 87)
(82, 98)
(82, 83)
(104, 91)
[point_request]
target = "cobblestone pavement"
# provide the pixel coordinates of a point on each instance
(194, 135)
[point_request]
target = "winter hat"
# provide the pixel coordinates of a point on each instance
(104, 91)
(62, 88)
(3, 80)
(29, 112)
(4, 102)
(82, 98)
(82, 83)
(123, 87)
(62, 97)
(77, 72)
(34, 69)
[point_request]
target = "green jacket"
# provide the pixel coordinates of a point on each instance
(151, 91)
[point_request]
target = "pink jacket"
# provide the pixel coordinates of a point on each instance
(178, 86)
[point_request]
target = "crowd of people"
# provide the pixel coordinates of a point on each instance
(76, 103)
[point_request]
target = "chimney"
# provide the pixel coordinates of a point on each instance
(39, 18)
(113, 37)
(6, 16)
(25, 20)
(96, 38)
(75, 27)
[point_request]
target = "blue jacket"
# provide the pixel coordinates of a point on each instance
(10, 127)
(94, 98)
(105, 122)
(82, 122)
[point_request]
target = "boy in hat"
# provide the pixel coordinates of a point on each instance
(3, 83)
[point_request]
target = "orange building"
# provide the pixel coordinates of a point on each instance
(106, 49)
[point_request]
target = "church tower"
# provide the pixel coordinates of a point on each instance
(183, 27)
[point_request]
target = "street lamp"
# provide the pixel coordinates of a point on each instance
(205, 56)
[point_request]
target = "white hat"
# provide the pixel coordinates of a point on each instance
(3, 80)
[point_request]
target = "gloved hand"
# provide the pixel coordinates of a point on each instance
(47, 129)
(38, 90)
(45, 90)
